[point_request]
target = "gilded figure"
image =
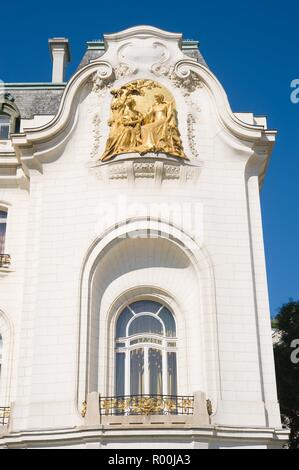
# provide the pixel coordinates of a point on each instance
(125, 130)
(159, 130)
(142, 121)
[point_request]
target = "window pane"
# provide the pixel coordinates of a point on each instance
(4, 132)
(137, 372)
(3, 214)
(122, 323)
(145, 324)
(4, 127)
(120, 374)
(4, 119)
(168, 321)
(148, 306)
(2, 237)
(171, 373)
(155, 371)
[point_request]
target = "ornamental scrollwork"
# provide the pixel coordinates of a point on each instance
(186, 78)
(181, 75)
(146, 405)
(103, 78)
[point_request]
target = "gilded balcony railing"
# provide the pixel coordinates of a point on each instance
(4, 415)
(5, 261)
(146, 405)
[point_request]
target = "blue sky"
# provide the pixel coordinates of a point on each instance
(252, 47)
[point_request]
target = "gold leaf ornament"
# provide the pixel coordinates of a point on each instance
(143, 119)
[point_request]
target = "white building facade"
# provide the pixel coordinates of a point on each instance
(133, 294)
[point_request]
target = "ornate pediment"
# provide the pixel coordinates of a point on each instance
(142, 47)
(143, 66)
(181, 122)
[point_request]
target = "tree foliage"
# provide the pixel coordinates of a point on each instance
(286, 353)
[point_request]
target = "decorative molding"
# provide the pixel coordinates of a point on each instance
(102, 78)
(191, 121)
(124, 70)
(171, 172)
(180, 75)
(96, 131)
(148, 167)
(143, 52)
(144, 169)
(188, 81)
(142, 32)
(265, 437)
(118, 171)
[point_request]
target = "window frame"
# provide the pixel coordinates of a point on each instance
(152, 343)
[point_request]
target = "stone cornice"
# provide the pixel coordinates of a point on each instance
(32, 86)
(142, 32)
(101, 434)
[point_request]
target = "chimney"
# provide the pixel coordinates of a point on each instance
(60, 53)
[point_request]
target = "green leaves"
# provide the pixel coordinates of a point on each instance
(287, 369)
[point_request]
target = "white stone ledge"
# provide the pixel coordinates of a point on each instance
(4, 271)
(213, 435)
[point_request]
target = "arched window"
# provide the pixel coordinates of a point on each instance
(145, 350)
(9, 116)
(3, 221)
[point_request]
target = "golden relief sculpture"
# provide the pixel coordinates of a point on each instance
(143, 119)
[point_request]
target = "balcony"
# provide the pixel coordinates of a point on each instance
(146, 410)
(5, 261)
(4, 415)
(146, 405)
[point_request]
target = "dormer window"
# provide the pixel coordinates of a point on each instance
(4, 126)
(9, 116)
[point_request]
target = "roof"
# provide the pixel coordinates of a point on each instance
(35, 98)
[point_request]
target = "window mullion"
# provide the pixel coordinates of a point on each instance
(146, 370)
(164, 370)
(127, 372)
